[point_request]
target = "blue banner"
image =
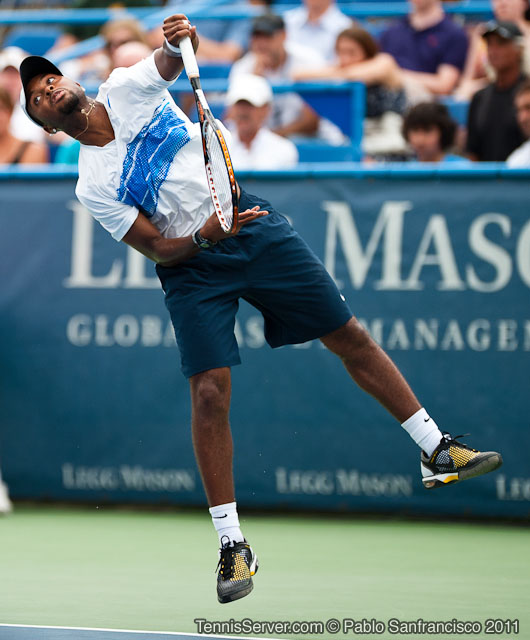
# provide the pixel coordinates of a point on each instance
(94, 407)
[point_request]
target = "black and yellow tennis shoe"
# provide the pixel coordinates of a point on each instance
(237, 564)
(454, 461)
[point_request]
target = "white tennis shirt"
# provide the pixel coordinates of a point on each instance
(155, 163)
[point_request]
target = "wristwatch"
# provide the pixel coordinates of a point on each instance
(202, 243)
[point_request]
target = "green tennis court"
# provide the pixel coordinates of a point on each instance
(120, 569)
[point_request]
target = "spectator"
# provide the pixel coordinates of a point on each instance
(116, 33)
(430, 131)
(277, 60)
(95, 68)
(358, 58)
(254, 146)
(492, 130)
(13, 150)
(129, 53)
(10, 59)
(316, 24)
(429, 47)
(477, 72)
(224, 41)
(517, 11)
(271, 55)
(521, 156)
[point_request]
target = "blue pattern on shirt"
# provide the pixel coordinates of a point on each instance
(149, 157)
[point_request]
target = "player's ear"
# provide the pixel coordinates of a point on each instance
(51, 130)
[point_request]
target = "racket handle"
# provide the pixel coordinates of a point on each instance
(188, 57)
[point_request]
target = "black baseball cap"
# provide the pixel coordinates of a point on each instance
(267, 25)
(503, 28)
(29, 68)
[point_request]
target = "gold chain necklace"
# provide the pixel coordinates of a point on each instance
(86, 113)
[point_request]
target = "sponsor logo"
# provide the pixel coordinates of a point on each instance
(384, 250)
(127, 478)
(342, 482)
(482, 264)
(512, 489)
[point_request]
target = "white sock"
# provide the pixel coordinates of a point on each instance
(226, 521)
(423, 430)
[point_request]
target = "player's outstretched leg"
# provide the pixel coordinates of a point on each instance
(443, 459)
(212, 442)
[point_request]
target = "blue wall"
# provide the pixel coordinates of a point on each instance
(437, 264)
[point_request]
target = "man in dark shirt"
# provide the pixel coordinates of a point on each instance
(429, 47)
(492, 130)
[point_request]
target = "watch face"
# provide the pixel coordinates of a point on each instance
(202, 243)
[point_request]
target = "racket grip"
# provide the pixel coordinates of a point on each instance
(188, 57)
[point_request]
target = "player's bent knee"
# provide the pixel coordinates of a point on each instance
(210, 391)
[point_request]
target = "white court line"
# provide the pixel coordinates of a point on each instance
(160, 633)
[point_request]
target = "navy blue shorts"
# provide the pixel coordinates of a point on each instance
(267, 264)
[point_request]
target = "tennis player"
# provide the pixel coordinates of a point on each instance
(141, 175)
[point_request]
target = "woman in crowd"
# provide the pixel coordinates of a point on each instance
(359, 59)
(430, 132)
(94, 68)
(12, 150)
(119, 32)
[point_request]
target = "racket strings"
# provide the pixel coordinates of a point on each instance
(219, 179)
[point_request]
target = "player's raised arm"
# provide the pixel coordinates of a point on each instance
(168, 59)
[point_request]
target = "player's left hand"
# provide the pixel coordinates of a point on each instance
(212, 229)
(176, 27)
(249, 215)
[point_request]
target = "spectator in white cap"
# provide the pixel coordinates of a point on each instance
(10, 59)
(254, 146)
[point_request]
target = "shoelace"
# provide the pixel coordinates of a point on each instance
(449, 438)
(226, 557)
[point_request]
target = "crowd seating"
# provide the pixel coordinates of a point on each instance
(343, 103)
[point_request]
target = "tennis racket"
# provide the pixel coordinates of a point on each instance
(219, 170)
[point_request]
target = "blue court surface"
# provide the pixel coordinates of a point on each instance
(29, 632)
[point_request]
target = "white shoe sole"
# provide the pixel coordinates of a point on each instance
(486, 465)
(254, 565)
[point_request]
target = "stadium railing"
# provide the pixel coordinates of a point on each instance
(346, 170)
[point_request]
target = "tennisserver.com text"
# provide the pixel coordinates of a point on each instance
(360, 627)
